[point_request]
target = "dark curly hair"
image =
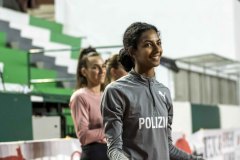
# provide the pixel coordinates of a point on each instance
(130, 40)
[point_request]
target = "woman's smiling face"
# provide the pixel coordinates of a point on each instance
(148, 53)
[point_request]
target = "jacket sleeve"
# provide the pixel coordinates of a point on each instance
(174, 152)
(80, 114)
(112, 107)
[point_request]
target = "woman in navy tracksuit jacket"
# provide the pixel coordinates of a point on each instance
(137, 110)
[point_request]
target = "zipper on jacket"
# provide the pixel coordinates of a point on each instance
(149, 84)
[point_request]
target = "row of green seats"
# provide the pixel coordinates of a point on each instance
(16, 71)
(57, 35)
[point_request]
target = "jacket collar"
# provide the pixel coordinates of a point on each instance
(141, 78)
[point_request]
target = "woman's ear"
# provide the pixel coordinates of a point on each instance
(112, 72)
(83, 71)
(132, 51)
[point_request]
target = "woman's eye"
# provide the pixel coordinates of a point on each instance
(94, 67)
(148, 45)
(104, 66)
(159, 43)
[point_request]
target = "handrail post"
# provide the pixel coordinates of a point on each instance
(29, 69)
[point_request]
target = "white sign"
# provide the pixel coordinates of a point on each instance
(218, 144)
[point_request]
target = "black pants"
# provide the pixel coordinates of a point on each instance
(94, 151)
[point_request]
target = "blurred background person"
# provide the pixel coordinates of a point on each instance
(114, 70)
(85, 106)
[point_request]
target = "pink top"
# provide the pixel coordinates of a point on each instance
(87, 118)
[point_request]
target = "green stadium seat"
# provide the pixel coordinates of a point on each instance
(15, 65)
(69, 125)
(2, 39)
(52, 26)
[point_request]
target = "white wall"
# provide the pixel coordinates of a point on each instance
(46, 127)
(188, 27)
(230, 116)
(237, 27)
(182, 118)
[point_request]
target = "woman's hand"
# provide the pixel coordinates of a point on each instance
(104, 140)
(194, 157)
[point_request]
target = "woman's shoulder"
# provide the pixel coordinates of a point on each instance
(123, 81)
(113, 86)
(159, 84)
(78, 93)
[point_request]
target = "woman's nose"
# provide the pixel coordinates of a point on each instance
(158, 48)
(101, 70)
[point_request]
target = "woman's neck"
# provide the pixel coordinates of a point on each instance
(94, 89)
(145, 72)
